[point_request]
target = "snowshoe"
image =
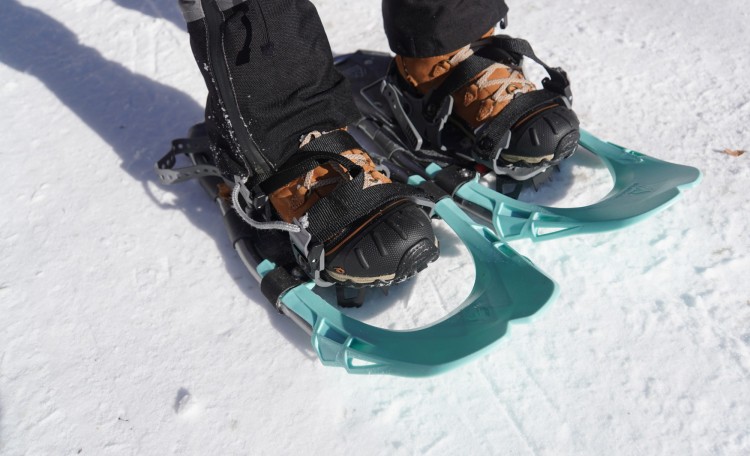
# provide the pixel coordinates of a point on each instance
(643, 185)
(501, 293)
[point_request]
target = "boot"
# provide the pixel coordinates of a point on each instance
(348, 223)
(476, 102)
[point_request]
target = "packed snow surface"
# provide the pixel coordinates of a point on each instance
(129, 326)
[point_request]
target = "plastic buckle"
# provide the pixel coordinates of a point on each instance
(258, 199)
(450, 178)
(418, 127)
(310, 255)
(487, 151)
(254, 198)
(315, 260)
(558, 83)
(313, 263)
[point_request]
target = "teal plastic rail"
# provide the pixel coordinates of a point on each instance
(508, 288)
(643, 186)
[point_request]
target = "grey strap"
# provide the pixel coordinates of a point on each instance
(192, 10)
(165, 167)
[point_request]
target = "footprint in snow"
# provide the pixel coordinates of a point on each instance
(185, 404)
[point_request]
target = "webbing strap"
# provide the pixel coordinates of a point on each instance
(165, 166)
(349, 201)
(335, 142)
(459, 77)
(302, 163)
(326, 148)
(558, 80)
(517, 46)
(277, 282)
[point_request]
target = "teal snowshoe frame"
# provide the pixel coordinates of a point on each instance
(508, 288)
(502, 293)
(643, 186)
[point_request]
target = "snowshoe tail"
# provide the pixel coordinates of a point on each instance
(643, 187)
(501, 295)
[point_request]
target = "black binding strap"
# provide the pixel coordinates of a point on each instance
(517, 46)
(335, 142)
(277, 282)
(459, 77)
(349, 201)
(558, 80)
(326, 148)
(300, 164)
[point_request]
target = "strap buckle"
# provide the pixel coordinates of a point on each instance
(165, 167)
(558, 82)
(254, 198)
(310, 255)
(428, 120)
(257, 198)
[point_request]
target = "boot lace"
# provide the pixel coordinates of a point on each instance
(508, 87)
(357, 156)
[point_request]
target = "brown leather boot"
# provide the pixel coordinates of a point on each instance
(294, 199)
(388, 243)
(546, 132)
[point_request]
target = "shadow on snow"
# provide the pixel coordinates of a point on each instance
(137, 116)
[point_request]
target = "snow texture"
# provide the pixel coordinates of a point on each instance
(129, 326)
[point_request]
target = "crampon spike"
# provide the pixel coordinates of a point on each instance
(350, 297)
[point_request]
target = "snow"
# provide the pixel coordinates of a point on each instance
(129, 326)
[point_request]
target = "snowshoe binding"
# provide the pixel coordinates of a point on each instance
(476, 103)
(338, 232)
(643, 186)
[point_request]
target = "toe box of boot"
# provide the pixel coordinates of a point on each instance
(388, 249)
(547, 135)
